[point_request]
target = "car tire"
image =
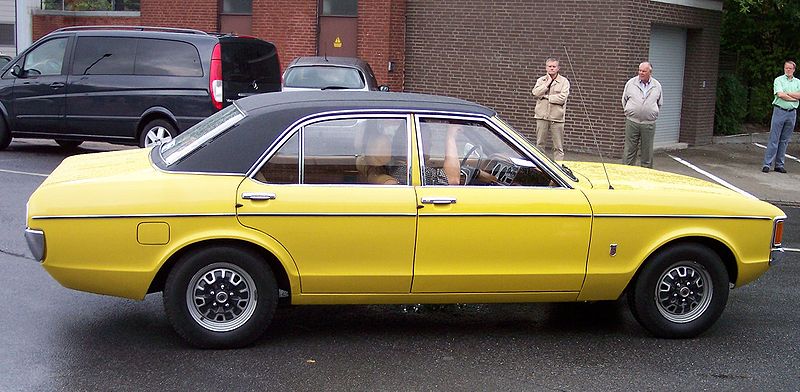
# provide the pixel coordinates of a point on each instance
(157, 130)
(5, 134)
(69, 143)
(680, 292)
(202, 310)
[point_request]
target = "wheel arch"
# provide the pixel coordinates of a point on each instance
(716, 245)
(155, 113)
(281, 275)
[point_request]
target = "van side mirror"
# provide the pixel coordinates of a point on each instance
(16, 70)
(383, 88)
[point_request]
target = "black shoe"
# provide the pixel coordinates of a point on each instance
(780, 170)
(765, 169)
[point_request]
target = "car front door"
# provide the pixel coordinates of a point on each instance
(510, 226)
(40, 88)
(347, 219)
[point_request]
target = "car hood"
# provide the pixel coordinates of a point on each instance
(625, 177)
(638, 190)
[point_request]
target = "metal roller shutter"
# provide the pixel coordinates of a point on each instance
(668, 57)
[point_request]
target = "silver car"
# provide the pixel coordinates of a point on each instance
(330, 73)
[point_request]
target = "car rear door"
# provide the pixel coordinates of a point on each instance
(345, 234)
(527, 232)
(249, 66)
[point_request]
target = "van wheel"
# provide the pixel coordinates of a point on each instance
(69, 143)
(5, 134)
(220, 297)
(157, 131)
(681, 292)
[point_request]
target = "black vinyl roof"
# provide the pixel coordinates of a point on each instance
(269, 115)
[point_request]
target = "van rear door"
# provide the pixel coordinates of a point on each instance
(249, 66)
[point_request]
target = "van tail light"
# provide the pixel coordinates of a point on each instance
(777, 233)
(215, 79)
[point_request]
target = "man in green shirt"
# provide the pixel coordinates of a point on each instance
(784, 116)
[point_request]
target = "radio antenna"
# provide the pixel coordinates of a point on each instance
(588, 118)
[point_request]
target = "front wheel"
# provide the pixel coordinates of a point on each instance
(221, 297)
(157, 131)
(681, 292)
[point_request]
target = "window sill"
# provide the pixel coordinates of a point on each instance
(113, 14)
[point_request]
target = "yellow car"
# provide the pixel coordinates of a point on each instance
(387, 198)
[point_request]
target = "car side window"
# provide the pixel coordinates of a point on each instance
(160, 57)
(104, 56)
(458, 152)
(284, 166)
(46, 59)
(369, 151)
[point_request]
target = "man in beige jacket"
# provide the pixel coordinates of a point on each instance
(550, 92)
(641, 101)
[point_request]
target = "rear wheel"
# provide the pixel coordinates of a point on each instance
(681, 292)
(157, 131)
(69, 143)
(5, 134)
(221, 297)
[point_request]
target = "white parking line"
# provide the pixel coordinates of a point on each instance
(24, 173)
(713, 177)
(791, 250)
(787, 155)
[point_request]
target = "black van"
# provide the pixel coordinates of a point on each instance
(128, 85)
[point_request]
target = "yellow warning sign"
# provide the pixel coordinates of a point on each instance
(337, 43)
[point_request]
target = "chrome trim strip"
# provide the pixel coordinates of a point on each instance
(339, 214)
(681, 216)
(106, 216)
(517, 215)
(81, 135)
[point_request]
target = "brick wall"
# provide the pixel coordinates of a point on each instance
(491, 52)
(290, 24)
(43, 24)
(381, 38)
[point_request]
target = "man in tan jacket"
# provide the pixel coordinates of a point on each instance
(551, 92)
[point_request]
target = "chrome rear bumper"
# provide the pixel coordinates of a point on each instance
(35, 239)
(775, 256)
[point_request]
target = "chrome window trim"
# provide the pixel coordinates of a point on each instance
(683, 216)
(298, 127)
(494, 127)
(337, 214)
(114, 216)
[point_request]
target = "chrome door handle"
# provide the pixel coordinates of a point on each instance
(438, 200)
(57, 85)
(258, 196)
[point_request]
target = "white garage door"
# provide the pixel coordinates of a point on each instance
(668, 56)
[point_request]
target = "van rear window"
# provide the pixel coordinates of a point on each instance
(246, 62)
(159, 57)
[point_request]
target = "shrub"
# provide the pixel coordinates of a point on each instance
(731, 107)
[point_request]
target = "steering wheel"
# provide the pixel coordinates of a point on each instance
(471, 172)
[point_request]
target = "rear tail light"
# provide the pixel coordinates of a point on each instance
(215, 79)
(777, 233)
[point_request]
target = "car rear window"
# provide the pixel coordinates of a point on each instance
(200, 134)
(249, 61)
(323, 77)
(159, 57)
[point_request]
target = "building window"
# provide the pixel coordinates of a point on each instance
(91, 5)
(243, 7)
(339, 7)
(7, 34)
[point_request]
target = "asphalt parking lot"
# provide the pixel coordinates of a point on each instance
(55, 339)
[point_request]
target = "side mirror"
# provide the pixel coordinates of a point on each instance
(16, 70)
(383, 88)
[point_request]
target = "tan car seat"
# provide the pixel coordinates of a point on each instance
(372, 165)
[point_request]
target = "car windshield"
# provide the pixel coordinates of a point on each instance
(323, 77)
(200, 134)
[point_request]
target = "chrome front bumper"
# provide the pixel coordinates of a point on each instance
(775, 256)
(35, 239)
